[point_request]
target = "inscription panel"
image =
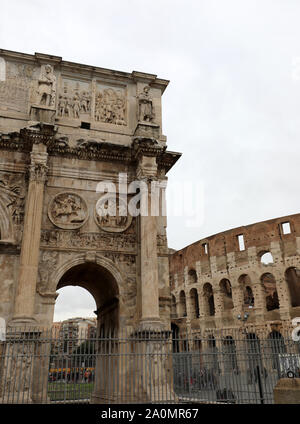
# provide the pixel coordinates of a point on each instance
(16, 87)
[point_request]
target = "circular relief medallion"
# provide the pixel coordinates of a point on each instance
(111, 214)
(68, 211)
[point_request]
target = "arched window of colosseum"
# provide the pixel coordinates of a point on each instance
(173, 307)
(194, 303)
(211, 359)
(292, 276)
(182, 304)
(175, 337)
(192, 276)
(226, 291)
(277, 347)
(209, 299)
(269, 284)
(254, 357)
(245, 285)
(266, 258)
(248, 297)
(229, 350)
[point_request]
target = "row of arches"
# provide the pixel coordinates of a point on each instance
(254, 348)
(247, 290)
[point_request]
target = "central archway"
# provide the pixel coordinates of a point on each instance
(103, 287)
(103, 281)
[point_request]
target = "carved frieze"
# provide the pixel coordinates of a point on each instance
(115, 220)
(12, 187)
(74, 101)
(47, 265)
(68, 210)
(110, 105)
(126, 262)
(95, 241)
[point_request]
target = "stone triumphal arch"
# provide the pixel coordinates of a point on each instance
(64, 128)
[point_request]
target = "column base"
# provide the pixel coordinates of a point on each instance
(22, 322)
(150, 324)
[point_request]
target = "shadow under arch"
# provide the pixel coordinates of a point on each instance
(102, 280)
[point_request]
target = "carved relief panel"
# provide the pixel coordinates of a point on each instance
(96, 241)
(68, 211)
(12, 197)
(74, 100)
(117, 220)
(110, 105)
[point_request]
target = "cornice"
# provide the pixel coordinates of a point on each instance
(87, 149)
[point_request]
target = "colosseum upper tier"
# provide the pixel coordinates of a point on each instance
(245, 276)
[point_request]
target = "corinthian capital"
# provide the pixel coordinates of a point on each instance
(38, 172)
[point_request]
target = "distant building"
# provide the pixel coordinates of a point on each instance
(71, 333)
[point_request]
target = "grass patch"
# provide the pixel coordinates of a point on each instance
(70, 391)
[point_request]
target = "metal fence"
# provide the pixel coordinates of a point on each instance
(43, 366)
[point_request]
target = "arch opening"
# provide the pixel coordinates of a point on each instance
(182, 304)
(209, 299)
(226, 292)
(101, 284)
(230, 358)
(194, 303)
(246, 286)
(269, 285)
(192, 276)
(292, 276)
(266, 258)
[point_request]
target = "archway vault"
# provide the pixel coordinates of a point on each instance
(100, 277)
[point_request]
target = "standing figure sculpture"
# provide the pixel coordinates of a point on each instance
(47, 87)
(146, 110)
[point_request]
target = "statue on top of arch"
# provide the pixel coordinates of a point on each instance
(47, 87)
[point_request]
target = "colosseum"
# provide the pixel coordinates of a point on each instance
(246, 277)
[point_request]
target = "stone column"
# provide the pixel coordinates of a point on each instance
(284, 297)
(25, 294)
(149, 264)
(202, 303)
(259, 298)
(219, 307)
(146, 154)
(238, 300)
(152, 374)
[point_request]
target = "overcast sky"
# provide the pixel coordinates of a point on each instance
(233, 103)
